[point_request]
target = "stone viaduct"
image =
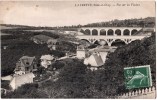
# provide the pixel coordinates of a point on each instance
(110, 34)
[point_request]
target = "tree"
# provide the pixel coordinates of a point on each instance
(26, 91)
(71, 81)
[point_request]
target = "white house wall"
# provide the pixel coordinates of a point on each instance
(80, 54)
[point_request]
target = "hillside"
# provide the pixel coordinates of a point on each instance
(25, 27)
(134, 54)
(18, 43)
(76, 81)
(134, 22)
(141, 22)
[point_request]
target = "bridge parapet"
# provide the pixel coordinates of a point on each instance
(109, 37)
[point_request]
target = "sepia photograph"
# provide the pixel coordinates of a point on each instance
(78, 49)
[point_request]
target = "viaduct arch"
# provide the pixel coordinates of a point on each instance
(110, 30)
(110, 35)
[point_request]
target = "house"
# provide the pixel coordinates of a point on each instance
(81, 52)
(52, 43)
(96, 57)
(7, 78)
(103, 51)
(46, 60)
(19, 80)
(94, 60)
(25, 65)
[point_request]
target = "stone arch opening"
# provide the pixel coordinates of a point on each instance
(87, 32)
(126, 32)
(102, 32)
(118, 42)
(118, 32)
(110, 32)
(133, 32)
(96, 42)
(94, 32)
(85, 42)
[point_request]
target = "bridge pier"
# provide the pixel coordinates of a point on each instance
(109, 44)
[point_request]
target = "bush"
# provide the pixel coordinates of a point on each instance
(71, 80)
(27, 91)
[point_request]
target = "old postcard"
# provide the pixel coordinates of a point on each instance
(78, 49)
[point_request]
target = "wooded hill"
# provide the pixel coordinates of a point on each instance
(134, 22)
(76, 81)
(141, 22)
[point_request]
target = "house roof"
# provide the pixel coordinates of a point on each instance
(94, 60)
(29, 75)
(47, 57)
(98, 59)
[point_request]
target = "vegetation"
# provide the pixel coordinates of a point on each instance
(136, 22)
(5, 84)
(110, 80)
(24, 27)
(74, 79)
(66, 46)
(26, 91)
(71, 81)
(18, 44)
(18, 48)
(134, 54)
(15, 33)
(141, 22)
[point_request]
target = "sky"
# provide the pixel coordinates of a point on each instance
(67, 13)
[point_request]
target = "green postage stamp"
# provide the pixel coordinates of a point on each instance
(137, 77)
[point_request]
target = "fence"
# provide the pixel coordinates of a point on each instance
(147, 93)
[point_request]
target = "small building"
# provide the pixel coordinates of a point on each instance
(25, 65)
(46, 60)
(81, 52)
(7, 78)
(19, 80)
(102, 51)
